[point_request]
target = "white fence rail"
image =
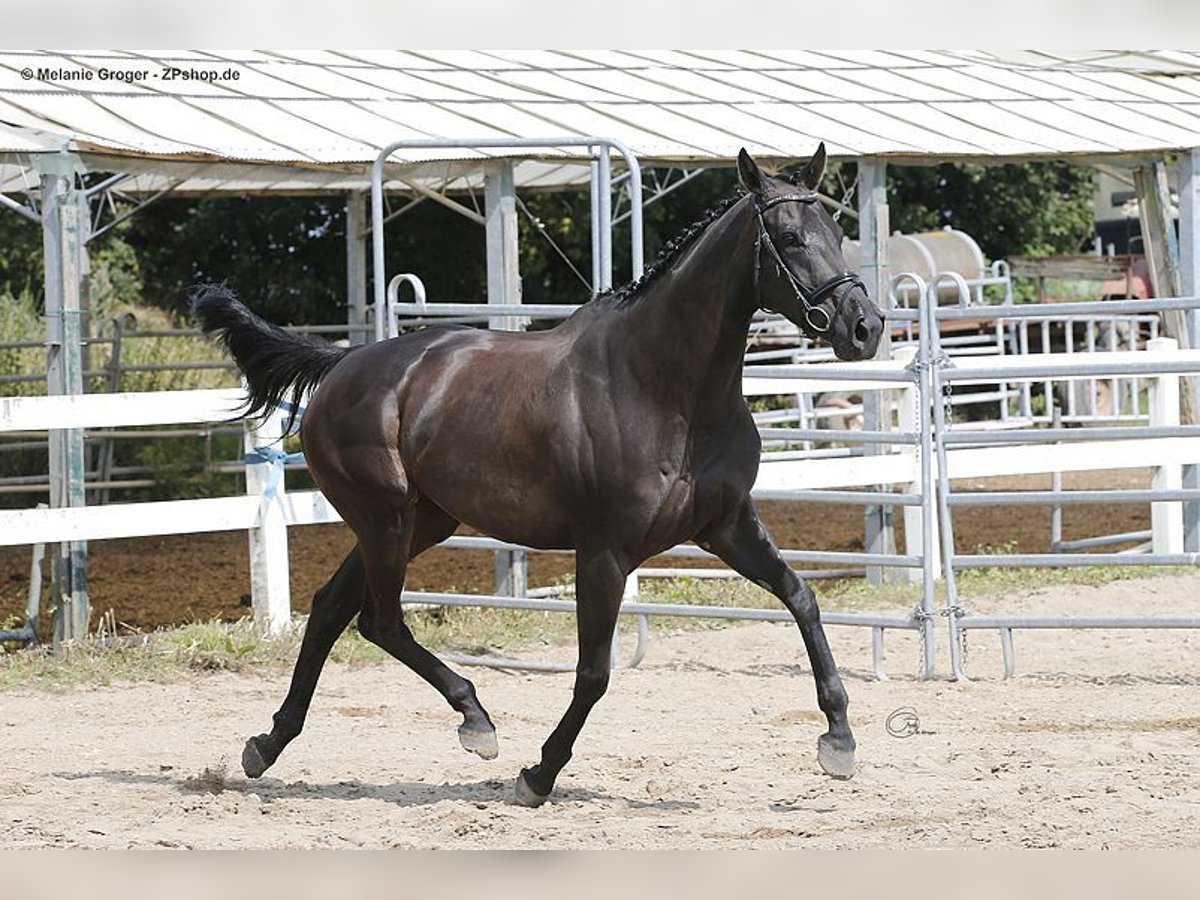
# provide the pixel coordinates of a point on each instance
(267, 509)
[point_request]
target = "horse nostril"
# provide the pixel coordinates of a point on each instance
(862, 332)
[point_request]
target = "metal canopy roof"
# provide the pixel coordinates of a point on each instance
(305, 120)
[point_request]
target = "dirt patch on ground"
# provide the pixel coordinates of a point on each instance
(162, 581)
(710, 743)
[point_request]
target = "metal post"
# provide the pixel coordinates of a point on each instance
(916, 523)
(1189, 286)
(356, 265)
(874, 225)
(1166, 519)
(1164, 258)
(503, 287)
(1056, 483)
(270, 590)
(594, 211)
(604, 217)
(63, 247)
(926, 399)
(945, 523)
(503, 274)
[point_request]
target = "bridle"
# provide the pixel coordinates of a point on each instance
(816, 316)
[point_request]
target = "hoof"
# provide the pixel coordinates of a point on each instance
(481, 743)
(524, 795)
(253, 763)
(837, 762)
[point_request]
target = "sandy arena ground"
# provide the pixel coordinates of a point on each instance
(710, 743)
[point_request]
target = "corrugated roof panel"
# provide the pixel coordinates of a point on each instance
(968, 83)
(745, 124)
(675, 59)
(548, 60)
(355, 121)
(902, 85)
(679, 124)
(393, 59)
(10, 74)
(611, 59)
(268, 132)
(311, 107)
(728, 61)
(534, 120)
(636, 88)
(1160, 90)
(958, 123)
(1162, 124)
(94, 121)
(585, 121)
(1061, 117)
(440, 121)
(429, 87)
(325, 82)
(464, 60)
(846, 129)
(767, 83)
(491, 85)
(1026, 86)
(533, 86)
(833, 88)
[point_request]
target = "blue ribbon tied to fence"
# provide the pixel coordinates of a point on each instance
(276, 459)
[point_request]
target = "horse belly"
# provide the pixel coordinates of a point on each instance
(502, 491)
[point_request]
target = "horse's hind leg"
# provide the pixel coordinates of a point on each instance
(386, 552)
(600, 580)
(334, 605)
(743, 543)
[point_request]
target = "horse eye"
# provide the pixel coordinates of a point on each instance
(790, 239)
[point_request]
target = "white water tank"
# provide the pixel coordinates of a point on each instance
(927, 254)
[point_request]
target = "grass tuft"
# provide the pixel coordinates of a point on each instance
(205, 647)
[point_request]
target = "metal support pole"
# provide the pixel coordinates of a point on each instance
(270, 589)
(356, 266)
(63, 247)
(503, 288)
(1163, 256)
(1189, 285)
(1056, 482)
(1166, 519)
(604, 217)
(945, 523)
(926, 399)
(874, 225)
(503, 274)
(594, 212)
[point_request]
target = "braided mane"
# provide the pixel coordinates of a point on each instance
(632, 290)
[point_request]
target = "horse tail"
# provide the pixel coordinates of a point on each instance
(276, 363)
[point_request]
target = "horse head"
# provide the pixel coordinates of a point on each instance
(799, 268)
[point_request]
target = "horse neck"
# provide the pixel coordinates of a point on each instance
(689, 330)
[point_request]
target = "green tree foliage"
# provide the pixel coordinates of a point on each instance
(20, 255)
(1037, 208)
(287, 255)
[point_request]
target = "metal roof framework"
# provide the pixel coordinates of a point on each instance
(305, 121)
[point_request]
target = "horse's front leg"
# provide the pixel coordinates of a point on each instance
(599, 583)
(742, 542)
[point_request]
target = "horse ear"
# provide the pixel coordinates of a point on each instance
(813, 172)
(750, 173)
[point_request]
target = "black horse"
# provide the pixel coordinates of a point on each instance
(618, 434)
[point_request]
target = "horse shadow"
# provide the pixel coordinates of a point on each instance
(404, 794)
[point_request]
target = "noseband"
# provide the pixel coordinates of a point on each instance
(816, 317)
